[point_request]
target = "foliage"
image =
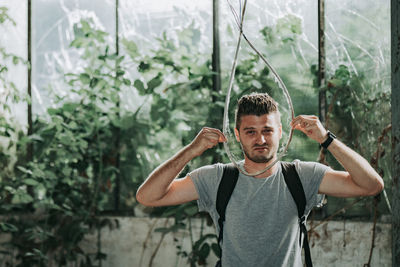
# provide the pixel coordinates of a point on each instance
(358, 114)
(68, 181)
(81, 141)
(89, 141)
(249, 77)
(10, 129)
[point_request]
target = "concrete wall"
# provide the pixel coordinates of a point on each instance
(337, 243)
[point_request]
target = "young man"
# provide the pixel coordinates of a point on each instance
(261, 226)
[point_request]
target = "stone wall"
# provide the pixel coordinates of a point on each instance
(336, 243)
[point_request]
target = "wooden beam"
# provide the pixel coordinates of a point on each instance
(321, 61)
(216, 60)
(29, 81)
(395, 104)
(217, 112)
(117, 189)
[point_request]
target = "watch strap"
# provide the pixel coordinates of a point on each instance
(328, 141)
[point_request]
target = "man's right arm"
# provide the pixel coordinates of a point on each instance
(162, 189)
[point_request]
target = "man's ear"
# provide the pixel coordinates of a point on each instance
(237, 135)
(280, 131)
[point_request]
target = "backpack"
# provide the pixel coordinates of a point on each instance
(292, 180)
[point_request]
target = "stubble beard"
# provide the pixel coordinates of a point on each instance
(257, 159)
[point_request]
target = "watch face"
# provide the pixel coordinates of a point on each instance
(331, 135)
(328, 141)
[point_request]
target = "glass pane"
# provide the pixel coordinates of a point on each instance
(52, 34)
(358, 79)
(14, 41)
(167, 46)
(286, 34)
(144, 22)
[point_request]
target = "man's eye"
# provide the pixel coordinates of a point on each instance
(250, 132)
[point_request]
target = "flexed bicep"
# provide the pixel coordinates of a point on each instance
(340, 184)
(180, 191)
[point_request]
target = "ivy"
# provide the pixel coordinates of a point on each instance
(89, 139)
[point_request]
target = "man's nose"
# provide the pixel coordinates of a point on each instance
(260, 139)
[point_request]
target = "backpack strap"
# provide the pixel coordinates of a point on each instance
(296, 189)
(226, 186)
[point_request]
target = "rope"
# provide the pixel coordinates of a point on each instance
(226, 130)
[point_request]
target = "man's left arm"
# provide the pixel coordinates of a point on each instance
(359, 179)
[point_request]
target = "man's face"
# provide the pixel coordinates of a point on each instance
(259, 136)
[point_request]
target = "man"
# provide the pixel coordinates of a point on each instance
(261, 226)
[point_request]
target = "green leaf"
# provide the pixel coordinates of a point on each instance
(267, 33)
(155, 82)
(7, 227)
(191, 210)
(10, 189)
(170, 211)
(335, 83)
(22, 169)
(120, 59)
(21, 198)
(85, 26)
(343, 73)
(66, 206)
(84, 78)
(30, 181)
(117, 84)
(140, 86)
(37, 172)
(93, 82)
(78, 42)
(52, 111)
(216, 249)
(202, 239)
(120, 73)
(204, 251)
(70, 107)
(131, 48)
(143, 66)
(66, 140)
(15, 60)
(126, 82)
(163, 230)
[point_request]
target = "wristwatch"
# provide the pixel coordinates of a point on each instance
(328, 141)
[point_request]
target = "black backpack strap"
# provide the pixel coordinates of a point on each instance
(225, 190)
(296, 189)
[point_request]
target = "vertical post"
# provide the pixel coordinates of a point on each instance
(216, 61)
(321, 80)
(216, 112)
(117, 163)
(395, 103)
(321, 61)
(29, 82)
(116, 27)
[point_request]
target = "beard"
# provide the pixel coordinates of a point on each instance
(258, 158)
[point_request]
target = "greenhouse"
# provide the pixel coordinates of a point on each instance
(195, 133)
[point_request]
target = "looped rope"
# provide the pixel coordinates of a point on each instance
(226, 130)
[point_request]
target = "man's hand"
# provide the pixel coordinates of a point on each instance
(162, 189)
(207, 138)
(359, 179)
(311, 126)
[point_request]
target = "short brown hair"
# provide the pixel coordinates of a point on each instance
(255, 104)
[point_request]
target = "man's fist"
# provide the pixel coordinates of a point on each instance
(207, 138)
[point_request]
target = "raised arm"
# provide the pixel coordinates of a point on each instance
(359, 179)
(161, 188)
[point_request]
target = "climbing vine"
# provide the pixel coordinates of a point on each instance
(78, 141)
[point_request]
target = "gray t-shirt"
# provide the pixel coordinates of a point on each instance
(261, 226)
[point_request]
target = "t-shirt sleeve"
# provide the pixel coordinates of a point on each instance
(206, 180)
(311, 174)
